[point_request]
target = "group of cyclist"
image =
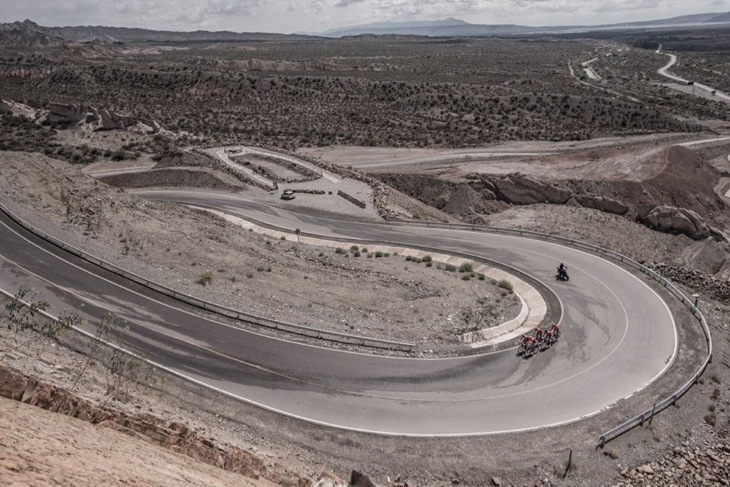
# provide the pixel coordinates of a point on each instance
(530, 344)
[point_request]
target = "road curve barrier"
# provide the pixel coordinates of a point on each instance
(659, 405)
(302, 330)
(378, 343)
(352, 199)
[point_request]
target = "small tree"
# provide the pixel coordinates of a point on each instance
(22, 316)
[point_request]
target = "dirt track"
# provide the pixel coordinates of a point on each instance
(384, 156)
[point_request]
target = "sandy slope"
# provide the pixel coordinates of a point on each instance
(38, 447)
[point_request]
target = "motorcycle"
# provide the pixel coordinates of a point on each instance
(562, 275)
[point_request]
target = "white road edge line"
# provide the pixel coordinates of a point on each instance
(250, 331)
(360, 430)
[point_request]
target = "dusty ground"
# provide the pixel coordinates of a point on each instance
(277, 170)
(357, 155)
(43, 448)
(197, 177)
(378, 297)
(615, 233)
(39, 447)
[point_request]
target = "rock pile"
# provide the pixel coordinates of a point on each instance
(683, 467)
(711, 286)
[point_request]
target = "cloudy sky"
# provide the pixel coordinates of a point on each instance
(318, 15)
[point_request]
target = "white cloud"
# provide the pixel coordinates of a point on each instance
(231, 7)
(346, 3)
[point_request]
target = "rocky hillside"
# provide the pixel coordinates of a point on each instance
(677, 198)
(28, 34)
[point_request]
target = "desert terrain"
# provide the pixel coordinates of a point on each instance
(168, 156)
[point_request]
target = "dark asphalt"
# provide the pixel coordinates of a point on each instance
(611, 318)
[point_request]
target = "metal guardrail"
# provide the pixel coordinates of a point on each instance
(212, 307)
(352, 339)
(660, 405)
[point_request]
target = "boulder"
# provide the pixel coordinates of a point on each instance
(109, 120)
(142, 128)
(524, 190)
(8, 107)
(677, 220)
(358, 479)
(328, 479)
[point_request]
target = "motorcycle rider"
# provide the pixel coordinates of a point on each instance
(562, 269)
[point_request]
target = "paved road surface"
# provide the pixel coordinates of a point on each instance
(672, 61)
(610, 318)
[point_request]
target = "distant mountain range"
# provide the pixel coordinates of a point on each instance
(125, 34)
(28, 34)
(723, 18)
(451, 27)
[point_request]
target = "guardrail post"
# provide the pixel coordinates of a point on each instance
(570, 463)
(651, 418)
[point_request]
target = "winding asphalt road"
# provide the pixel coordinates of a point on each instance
(611, 318)
(664, 71)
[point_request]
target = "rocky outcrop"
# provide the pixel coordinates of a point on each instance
(520, 189)
(79, 114)
(109, 120)
(151, 128)
(62, 113)
(175, 436)
(8, 107)
(676, 220)
(601, 203)
(358, 479)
